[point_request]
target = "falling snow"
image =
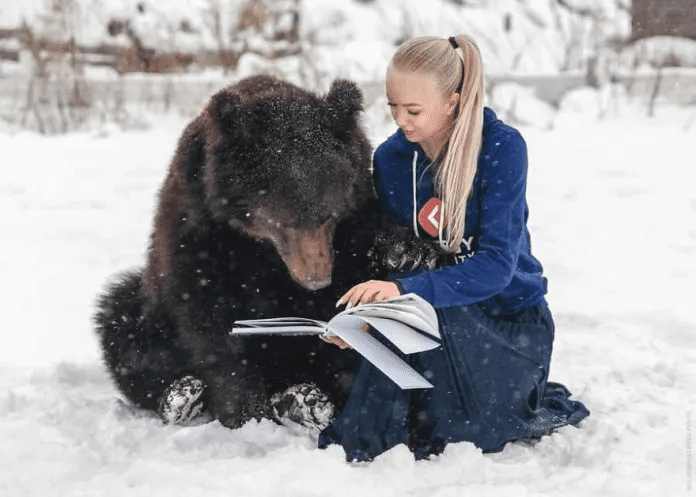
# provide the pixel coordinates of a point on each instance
(612, 219)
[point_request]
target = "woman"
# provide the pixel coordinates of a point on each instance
(455, 176)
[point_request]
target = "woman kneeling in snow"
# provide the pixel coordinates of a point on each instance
(455, 176)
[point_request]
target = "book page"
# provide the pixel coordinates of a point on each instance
(406, 321)
(407, 339)
(412, 300)
(350, 330)
(280, 326)
(279, 330)
(409, 309)
(281, 320)
(400, 316)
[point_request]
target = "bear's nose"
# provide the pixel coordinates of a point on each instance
(312, 273)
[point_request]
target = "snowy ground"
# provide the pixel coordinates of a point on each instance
(613, 219)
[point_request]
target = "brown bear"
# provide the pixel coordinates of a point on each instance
(267, 210)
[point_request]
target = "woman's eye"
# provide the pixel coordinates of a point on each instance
(413, 113)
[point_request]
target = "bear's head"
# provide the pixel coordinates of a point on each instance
(284, 165)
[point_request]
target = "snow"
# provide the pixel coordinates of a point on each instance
(612, 220)
(354, 37)
(612, 217)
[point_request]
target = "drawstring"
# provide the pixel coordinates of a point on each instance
(415, 213)
(415, 203)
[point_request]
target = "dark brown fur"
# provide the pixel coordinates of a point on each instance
(267, 210)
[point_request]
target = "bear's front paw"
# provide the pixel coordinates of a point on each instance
(303, 404)
(180, 404)
(404, 252)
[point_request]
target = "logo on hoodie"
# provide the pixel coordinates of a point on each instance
(429, 220)
(429, 216)
(466, 250)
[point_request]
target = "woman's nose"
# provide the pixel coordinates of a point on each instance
(399, 118)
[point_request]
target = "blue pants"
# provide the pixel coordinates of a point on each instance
(490, 387)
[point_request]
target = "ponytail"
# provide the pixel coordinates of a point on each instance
(455, 176)
(457, 67)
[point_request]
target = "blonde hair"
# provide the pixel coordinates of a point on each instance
(456, 70)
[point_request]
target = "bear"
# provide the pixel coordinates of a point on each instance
(268, 209)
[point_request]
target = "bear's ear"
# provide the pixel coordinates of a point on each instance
(344, 102)
(226, 110)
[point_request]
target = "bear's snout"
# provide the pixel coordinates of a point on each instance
(309, 257)
(306, 250)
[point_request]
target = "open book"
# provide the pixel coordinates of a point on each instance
(407, 321)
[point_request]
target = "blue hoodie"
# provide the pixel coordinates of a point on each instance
(490, 376)
(495, 266)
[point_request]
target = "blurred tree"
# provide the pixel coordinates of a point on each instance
(663, 18)
(57, 97)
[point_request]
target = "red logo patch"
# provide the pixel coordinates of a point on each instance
(429, 216)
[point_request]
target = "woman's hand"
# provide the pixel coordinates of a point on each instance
(339, 341)
(369, 291)
(336, 341)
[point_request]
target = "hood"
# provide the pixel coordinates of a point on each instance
(403, 177)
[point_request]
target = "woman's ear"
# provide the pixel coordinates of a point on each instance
(452, 104)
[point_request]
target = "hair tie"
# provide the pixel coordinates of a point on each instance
(453, 42)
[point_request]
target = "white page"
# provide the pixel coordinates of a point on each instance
(279, 330)
(413, 300)
(279, 326)
(408, 318)
(282, 320)
(419, 306)
(371, 349)
(409, 308)
(406, 339)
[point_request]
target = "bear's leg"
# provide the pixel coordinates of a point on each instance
(140, 357)
(234, 388)
(289, 361)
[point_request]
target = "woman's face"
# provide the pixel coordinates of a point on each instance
(419, 108)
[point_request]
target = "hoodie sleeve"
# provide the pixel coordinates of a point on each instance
(502, 219)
